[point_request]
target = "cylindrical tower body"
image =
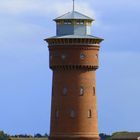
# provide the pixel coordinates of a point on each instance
(74, 60)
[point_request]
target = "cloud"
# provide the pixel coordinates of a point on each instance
(20, 14)
(43, 7)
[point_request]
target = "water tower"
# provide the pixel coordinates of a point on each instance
(73, 56)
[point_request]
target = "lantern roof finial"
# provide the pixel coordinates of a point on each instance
(73, 5)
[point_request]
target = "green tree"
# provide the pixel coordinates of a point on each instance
(3, 136)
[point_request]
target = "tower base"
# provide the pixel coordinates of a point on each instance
(74, 138)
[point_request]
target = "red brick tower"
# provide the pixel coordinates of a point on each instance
(74, 60)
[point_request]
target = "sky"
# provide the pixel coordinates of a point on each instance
(25, 77)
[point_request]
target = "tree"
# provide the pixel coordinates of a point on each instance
(104, 136)
(38, 135)
(3, 136)
(46, 135)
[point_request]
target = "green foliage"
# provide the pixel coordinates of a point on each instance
(104, 136)
(121, 132)
(3, 136)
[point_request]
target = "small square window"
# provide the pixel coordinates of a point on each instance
(81, 22)
(65, 22)
(69, 22)
(78, 22)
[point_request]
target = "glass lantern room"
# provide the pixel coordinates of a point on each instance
(73, 23)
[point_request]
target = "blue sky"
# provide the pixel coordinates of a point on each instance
(25, 78)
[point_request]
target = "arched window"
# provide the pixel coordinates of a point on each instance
(89, 113)
(72, 114)
(81, 91)
(82, 56)
(65, 91)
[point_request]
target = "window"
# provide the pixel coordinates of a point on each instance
(63, 56)
(89, 113)
(82, 22)
(67, 22)
(78, 22)
(56, 113)
(88, 23)
(82, 56)
(81, 91)
(72, 114)
(65, 91)
(94, 91)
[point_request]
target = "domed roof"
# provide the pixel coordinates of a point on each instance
(73, 15)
